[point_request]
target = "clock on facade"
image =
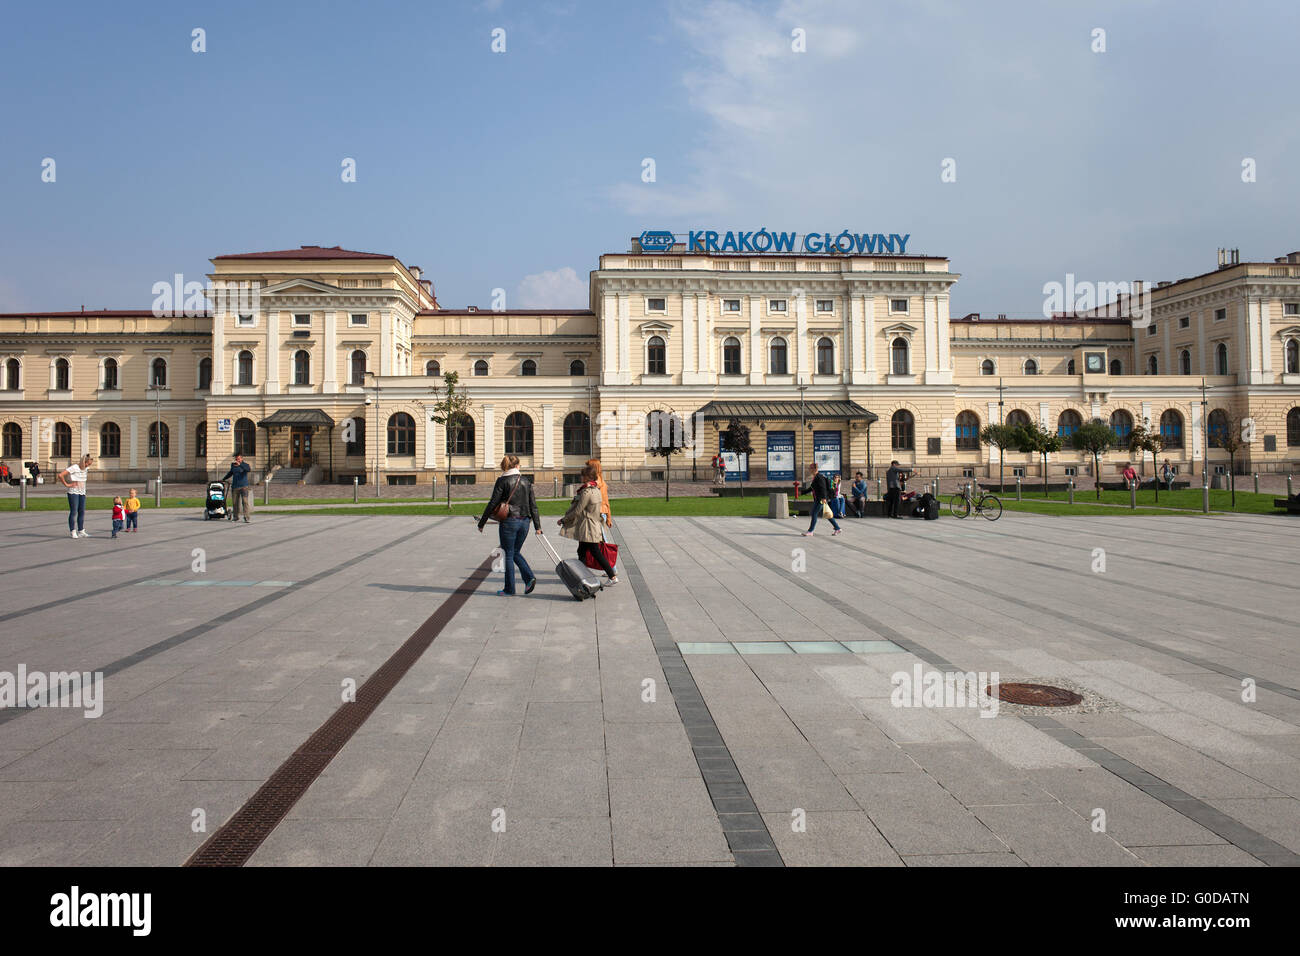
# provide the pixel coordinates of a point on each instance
(1095, 362)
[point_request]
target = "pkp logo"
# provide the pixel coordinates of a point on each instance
(656, 241)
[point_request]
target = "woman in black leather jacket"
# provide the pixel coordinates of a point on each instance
(516, 490)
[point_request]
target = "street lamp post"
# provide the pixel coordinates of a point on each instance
(157, 401)
(378, 436)
(802, 426)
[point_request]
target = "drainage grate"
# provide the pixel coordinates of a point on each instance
(1036, 695)
(242, 834)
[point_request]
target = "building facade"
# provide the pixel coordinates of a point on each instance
(324, 364)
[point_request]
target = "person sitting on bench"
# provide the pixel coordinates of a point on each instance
(859, 494)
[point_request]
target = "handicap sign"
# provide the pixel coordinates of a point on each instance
(223, 424)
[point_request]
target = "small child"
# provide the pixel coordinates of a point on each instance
(119, 516)
(132, 512)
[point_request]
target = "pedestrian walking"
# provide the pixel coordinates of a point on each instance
(821, 492)
(894, 479)
(74, 479)
(240, 491)
(132, 512)
(582, 523)
(119, 516)
(606, 515)
(514, 506)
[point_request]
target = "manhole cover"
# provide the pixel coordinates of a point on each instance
(1036, 695)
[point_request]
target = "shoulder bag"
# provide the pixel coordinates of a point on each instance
(502, 511)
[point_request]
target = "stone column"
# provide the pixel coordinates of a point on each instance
(624, 340)
(271, 361)
(869, 335)
(690, 345)
(928, 312)
(800, 356)
(386, 342)
(180, 441)
(757, 366)
(489, 436)
(134, 430)
(330, 356)
(609, 338)
(1265, 345)
(218, 385)
(548, 436)
(430, 442)
(85, 436)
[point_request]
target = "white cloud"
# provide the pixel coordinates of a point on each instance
(556, 289)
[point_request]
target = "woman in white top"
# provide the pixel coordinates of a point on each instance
(74, 479)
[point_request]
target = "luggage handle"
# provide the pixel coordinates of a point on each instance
(550, 549)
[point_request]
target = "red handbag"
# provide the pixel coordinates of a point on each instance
(610, 551)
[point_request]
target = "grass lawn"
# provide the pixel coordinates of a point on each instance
(101, 503)
(630, 507)
(1188, 499)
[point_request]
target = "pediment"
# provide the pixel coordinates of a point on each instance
(899, 328)
(302, 286)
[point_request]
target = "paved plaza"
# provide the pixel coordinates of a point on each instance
(732, 701)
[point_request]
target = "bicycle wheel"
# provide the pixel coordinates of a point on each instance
(959, 505)
(990, 507)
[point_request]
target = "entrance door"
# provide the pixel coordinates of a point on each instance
(300, 447)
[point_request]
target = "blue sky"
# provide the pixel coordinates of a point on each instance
(517, 169)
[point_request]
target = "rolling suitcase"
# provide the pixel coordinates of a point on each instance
(581, 581)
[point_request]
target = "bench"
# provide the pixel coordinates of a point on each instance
(1292, 504)
(871, 508)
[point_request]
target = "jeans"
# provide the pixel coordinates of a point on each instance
(76, 512)
(132, 519)
(117, 526)
(816, 511)
(513, 532)
(837, 506)
(859, 505)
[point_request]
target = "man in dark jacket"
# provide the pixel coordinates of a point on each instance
(894, 479)
(241, 495)
(821, 491)
(515, 491)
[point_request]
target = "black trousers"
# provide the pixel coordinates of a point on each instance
(892, 497)
(587, 547)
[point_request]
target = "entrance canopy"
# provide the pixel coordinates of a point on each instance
(306, 417)
(785, 411)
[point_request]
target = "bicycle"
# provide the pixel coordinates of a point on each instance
(963, 503)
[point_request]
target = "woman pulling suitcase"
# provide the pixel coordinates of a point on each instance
(582, 522)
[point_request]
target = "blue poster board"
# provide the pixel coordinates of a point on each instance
(826, 452)
(737, 465)
(780, 456)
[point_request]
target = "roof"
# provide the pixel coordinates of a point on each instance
(767, 411)
(975, 318)
(297, 416)
(105, 314)
(307, 252)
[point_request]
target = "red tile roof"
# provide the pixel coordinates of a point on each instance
(307, 252)
(104, 314)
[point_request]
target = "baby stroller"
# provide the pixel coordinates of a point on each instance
(215, 504)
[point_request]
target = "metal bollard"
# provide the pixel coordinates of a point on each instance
(157, 494)
(1288, 486)
(878, 494)
(1256, 482)
(266, 490)
(1132, 494)
(1070, 490)
(1017, 487)
(22, 493)
(556, 492)
(433, 495)
(1205, 492)
(935, 485)
(356, 487)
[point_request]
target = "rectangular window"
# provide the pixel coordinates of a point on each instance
(1071, 471)
(1220, 315)
(776, 305)
(968, 472)
(301, 319)
(1151, 329)
(1220, 469)
(897, 305)
(1017, 472)
(359, 318)
(825, 305)
(244, 320)
(401, 479)
(730, 305)
(1185, 322)
(656, 305)
(1291, 308)
(462, 479)
(656, 476)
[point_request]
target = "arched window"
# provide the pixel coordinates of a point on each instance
(301, 367)
(1031, 367)
(1185, 362)
(12, 377)
(577, 367)
(460, 438)
(244, 370)
(968, 431)
(1121, 423)
(1171, 429)
(731, 355)
(1292, 357)
(656, 356)
(987, 367)
(401, 434)
(13, 439)
(1069, 367)
(1153, 366)
(900, 361)
(1116, 367)
(577, 434)
(1218, 428)
(825, 357)
(902, 431)
(110, 440)
(245, 437)
(110, 375)
(158, 372)
(61, 447)
(1221, 357)
(519, 434)
(358, 362)
(432, 368)
(205, 373)
(61, 376)
(529, 367)
(1018, 418)
(201, 440)
(1068, 423)
(663, 430)
(481, 367)
(1292, 428)
(777, 357)
(354, 436)
(159, 440)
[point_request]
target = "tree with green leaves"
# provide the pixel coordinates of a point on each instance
(451, 411)
(665, 436)
(1035, 439)
(1096, 438)
(736, 441)
(1231, 442)
(1001, 437)
(1143, 439)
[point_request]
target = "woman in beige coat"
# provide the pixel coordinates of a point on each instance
(582, 522)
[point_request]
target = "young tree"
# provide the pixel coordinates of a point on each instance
(1096, 438)
(1038, 440)
(736, 441)
(1142, 440)
(1000, 437)
(1231, 442)
(665, 437)
(451, 410)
